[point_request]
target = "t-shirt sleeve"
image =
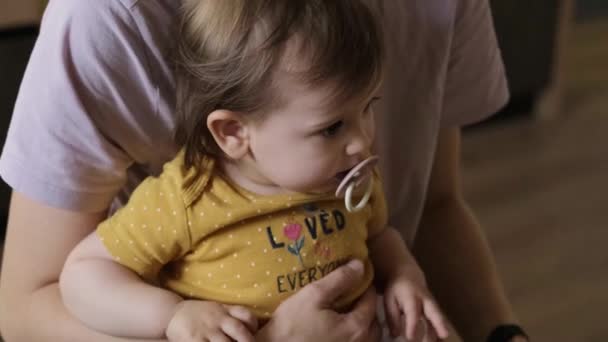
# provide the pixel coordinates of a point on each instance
(379, 212)
(476, 86)
(64, 144)
(151, 230)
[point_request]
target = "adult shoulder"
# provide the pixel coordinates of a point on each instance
(476, 84)
(88, 70)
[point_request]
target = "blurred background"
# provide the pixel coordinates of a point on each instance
(536, 173)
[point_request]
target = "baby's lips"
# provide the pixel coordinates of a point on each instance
(357, 174)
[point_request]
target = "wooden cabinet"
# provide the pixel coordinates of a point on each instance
(532, 36)
(20, 13)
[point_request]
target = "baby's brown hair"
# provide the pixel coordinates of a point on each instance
(229, 51)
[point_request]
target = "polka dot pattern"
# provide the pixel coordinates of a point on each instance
(232, 245)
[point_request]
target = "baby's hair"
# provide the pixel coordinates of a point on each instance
(229, 51)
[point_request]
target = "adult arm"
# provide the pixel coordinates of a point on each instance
(39, 239)
(63, 150)
(459, 265)
(453, 252)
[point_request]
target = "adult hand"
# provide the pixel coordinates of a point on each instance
(308, 315)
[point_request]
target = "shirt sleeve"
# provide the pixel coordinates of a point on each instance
(379, 212)
(476, 85)
(151, 230)
(64, 145)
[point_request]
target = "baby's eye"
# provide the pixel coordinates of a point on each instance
(333, 129)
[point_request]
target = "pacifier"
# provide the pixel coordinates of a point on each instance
(358, 176)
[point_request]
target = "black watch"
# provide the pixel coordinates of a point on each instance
(505, 332)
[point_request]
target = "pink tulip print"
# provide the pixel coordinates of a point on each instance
(293, 231)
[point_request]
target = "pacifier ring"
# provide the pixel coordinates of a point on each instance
(361, 173)
(348, 198)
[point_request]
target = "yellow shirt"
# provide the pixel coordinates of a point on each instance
(217, 241)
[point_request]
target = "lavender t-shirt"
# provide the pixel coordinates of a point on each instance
(94, 114)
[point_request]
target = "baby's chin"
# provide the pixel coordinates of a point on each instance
(329, 186)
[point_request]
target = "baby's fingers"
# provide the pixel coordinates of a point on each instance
(244, 315)
(412, 318)
(393, 315)
(429, 334)
(236, 330)
(435, 317)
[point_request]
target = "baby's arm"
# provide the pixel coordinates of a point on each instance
(103, 284)
(391, 257)
(398, 276)
(403, 285)
(112, 299)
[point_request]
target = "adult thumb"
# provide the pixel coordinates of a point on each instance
(326, 290)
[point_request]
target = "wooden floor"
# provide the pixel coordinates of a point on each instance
(540, 189)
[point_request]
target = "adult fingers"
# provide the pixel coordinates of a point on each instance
(326, 290)
(243, 315)
(364, 311)
(435, 317)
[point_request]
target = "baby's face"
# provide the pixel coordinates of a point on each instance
(306, 145)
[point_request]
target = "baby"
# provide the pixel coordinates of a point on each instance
(275, 107)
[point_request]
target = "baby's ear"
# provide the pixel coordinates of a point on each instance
(229, 132)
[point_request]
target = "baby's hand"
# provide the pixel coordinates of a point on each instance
(196, 321)
(404, 295)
